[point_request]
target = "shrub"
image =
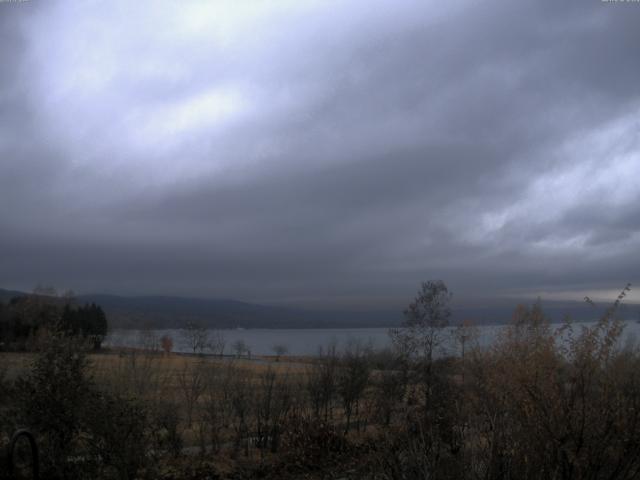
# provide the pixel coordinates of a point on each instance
(51, 400)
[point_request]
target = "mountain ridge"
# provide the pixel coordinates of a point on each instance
(167, 311)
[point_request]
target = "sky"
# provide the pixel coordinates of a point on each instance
(327, 153)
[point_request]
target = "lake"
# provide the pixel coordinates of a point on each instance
(308, 341)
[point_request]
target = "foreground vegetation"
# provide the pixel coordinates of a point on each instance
(540, 403)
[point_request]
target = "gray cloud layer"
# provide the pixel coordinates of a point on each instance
(320, 152)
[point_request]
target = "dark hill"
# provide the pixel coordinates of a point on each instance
(175, 312)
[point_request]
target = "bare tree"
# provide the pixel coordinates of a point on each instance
(196, 337)
(353, 378)
(321, 383)
(148, 340)
(425, 319)
(216, 343)
(240, 398)
(143, 375)
(279, 350)
(240, 347)
(217, 405)
(191, 380)
(390, 387)
(420, 339)
(465, 333)
(273, 401)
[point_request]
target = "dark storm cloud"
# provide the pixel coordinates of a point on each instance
(320, 152)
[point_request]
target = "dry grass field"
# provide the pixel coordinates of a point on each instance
(167, 377)
(104, 364)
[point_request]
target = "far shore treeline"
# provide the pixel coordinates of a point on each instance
(171, 312)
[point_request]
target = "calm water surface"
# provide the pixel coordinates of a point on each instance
(308, 341)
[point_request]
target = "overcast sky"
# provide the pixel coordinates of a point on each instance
(320, 153)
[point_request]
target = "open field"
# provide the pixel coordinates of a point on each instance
(157, 376)
(230, 407)
(105, 363)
